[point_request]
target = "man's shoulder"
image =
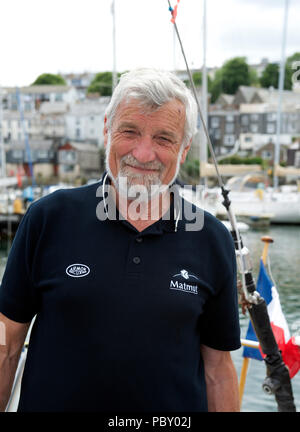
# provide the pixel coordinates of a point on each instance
(65, 198)
(207, 222)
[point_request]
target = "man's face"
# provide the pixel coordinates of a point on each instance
(145, 145)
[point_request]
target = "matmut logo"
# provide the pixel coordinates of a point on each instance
(183, 286)
(77, 270)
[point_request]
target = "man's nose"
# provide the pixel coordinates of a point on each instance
(144, 151)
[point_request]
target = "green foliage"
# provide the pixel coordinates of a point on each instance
(291, 59)
(270, 76)
(289, 66)
(236, 160)
(197, 78)
(189, 171)
(102, 84)
(254, 80)
(49, 79)
(234, 73)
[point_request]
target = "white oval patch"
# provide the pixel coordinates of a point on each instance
(77, 270)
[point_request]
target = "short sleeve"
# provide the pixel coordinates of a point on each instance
(219, 323)
(18, 300)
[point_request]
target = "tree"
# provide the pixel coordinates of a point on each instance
(102, 84)
(49, 79)
(234, 73)
(197, 78)
(291, 59)
(270, 76)
(289, 70)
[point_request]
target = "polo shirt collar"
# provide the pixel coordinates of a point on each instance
(170, 222)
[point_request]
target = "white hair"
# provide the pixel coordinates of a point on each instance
(154, 88)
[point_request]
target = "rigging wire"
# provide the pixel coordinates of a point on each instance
(226, 202)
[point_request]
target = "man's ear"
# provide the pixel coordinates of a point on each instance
(185, 152)
(105, 131)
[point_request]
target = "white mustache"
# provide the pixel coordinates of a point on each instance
(130, 160)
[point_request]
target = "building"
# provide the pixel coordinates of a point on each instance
(224, 130)
(40, 153)
(293, 154)
(78, 160)
(259, 125)
(33, 96)
(85, 121)
(244, 95)
(53, 119)
(80, 81)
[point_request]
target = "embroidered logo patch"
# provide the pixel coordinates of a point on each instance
(180, 285)
(77, 270)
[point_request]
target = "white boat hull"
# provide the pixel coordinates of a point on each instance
(280, 207)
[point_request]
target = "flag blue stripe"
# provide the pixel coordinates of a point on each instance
(264, 287)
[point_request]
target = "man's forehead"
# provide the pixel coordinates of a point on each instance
(133, 106)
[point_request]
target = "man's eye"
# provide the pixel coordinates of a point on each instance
(129, 132)
(165, 140)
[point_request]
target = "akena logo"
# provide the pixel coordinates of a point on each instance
(77, 270)
(183, 286)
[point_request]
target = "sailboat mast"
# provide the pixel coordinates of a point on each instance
(3, 160)
(114, 74)
(280, 93)
(203, 140)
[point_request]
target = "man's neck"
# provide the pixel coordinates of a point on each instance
(142, 214)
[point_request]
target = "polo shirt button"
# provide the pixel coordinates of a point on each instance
(139, 239)
(136, 260)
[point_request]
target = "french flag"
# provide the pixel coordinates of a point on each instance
(290, 351)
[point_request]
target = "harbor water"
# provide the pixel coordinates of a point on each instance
(284, 256)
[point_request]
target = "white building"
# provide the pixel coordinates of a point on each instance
(33, 96)
(85, 121)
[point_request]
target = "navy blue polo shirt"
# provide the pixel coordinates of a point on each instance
(120, 314)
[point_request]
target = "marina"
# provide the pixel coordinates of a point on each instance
(247, 157)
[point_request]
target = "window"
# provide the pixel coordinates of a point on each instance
(254, 128)
(266, 154)
(297, 159)
(244, 120)
(17, 154)
(215, 122)
(58, 97)
(270, 128)
(229, 118)
(217, 134)
(229, 140)
(77, 133)
(229, 128)
(254, 117)
(292, 127)
(67, 168)
(42, 154)
(271, 116)
(67, 157)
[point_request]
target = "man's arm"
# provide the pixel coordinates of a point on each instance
(221, 381)
(12, 337)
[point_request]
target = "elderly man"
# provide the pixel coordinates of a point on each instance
(134, 311)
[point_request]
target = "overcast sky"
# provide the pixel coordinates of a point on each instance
(75, 36)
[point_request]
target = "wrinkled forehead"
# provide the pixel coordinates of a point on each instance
(146, 106)
(140, 106)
